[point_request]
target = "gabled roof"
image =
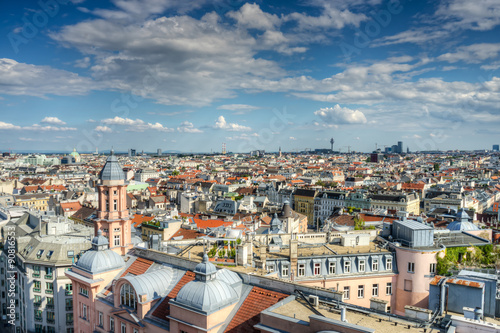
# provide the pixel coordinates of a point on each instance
(248, 314)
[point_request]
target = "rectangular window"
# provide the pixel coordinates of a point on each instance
(347, 267)
(115, 205)
(317, 269)
(101, 319)
(38, 315)
(84, 292)
(38, 300)
(69, 289)
(49, 287)
(408, 285)
(124, 328)
(433, 268)
(37, 286)
(302, 270)
(374, 265)
(114, 192)
(284, 270)
(51, 317)
(36, 271)
(136, 330)
(107, 205)
(50, 302)
(270, 268)
(361, 266)
(111, 323)
(361, 291)
(347, 292)
(388, 288)
(411, 267)
(117, 240)
(388, 265)
(375, 290)
(69, 318)
(83, 311)
(331, 267)
(69, 304)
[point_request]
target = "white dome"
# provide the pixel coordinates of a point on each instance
(101, 261)
(206, 296)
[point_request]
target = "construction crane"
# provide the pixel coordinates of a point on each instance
(348, 149)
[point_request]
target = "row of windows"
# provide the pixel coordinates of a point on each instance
(411, 268)
(111, 321)
(332, 267)
(361, 290)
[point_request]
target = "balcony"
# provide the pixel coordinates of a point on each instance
(35, 275)
(50, 306)
(51, 321)
(37, 290)
(48, 276)
(49, 291)
(38, 319)
(69, 292)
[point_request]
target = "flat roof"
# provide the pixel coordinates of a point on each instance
(297, 309)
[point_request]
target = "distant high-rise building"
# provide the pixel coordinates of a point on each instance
(496, 147)
(400, 147)
(132, 152)
(407, 150)
(376, 158)
(158, 152)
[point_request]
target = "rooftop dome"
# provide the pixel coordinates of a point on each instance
(112, 169)
(462, 226)
(100, 259)
(206, 293)
(287, 210)
(205, 270)
(275, 227)
(153, 284)
(206, 296)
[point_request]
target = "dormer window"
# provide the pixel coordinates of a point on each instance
(127, 296)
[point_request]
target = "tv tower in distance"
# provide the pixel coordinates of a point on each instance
(332, 142)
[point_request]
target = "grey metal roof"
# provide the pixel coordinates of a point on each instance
(154, 284)
(99, 260)
(206, 296)
(462, 225)
(414, 225)
(112, 169)
(205, 268)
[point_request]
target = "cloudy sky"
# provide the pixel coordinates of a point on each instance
(190, 75)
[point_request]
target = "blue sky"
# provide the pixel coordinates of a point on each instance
(190, 75)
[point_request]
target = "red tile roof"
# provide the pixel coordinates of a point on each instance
(248, 314)
(140, 219)
(70, 206)
(163, 310)
(187, 234)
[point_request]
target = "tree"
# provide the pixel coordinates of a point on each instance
(359, 223)
(436, 166)
(175, 173)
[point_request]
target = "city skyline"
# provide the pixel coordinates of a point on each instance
(190, 76)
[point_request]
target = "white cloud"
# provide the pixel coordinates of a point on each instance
(221, 123)
(24, 79)
(481, 15)
(53, 121)
(83, 63)
(340, 115)
(6, 126)
(251, 16)
(188, 127)
(238, 108)
(103, 129)
(292, 138)
(34, 127)
(474, 53)
(136, 125)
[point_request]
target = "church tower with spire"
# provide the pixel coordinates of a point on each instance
(112, 215)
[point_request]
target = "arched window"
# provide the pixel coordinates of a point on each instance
(127, 296)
